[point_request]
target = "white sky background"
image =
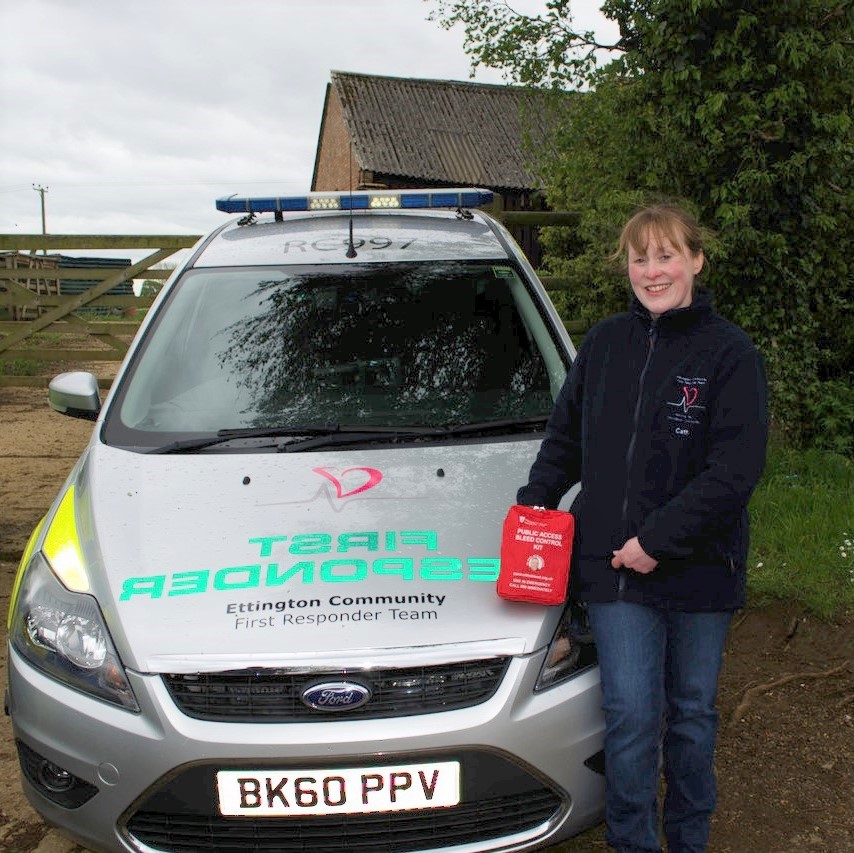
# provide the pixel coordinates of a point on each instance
(137, 114)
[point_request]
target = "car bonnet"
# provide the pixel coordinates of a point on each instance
(215, 561)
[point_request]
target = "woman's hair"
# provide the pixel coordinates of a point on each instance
(662, 221)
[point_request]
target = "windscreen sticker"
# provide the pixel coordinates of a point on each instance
(306, 567)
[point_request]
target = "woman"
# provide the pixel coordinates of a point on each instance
(663, 419)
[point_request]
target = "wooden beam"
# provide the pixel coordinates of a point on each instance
(74, 274)
(17, 294)
(42, 242)
(11, 381)
(93, 327)
(52, 300)
(40, 382)
(117, 345)
(50, 354)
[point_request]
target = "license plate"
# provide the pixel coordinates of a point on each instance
(288, 793)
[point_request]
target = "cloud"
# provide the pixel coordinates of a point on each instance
(137, 115)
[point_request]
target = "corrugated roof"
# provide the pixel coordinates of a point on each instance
(73, 287)
(472, 134)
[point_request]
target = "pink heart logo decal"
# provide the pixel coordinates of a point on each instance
(691, 395)
(373, 479)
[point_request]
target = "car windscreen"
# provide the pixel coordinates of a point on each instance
(392, 345)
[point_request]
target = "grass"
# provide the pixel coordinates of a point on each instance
(20, 367)
(802, 528)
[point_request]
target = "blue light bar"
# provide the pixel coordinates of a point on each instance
(359, 200)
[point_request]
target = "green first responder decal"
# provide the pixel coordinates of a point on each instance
(309, 560)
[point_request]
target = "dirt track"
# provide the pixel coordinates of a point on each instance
(785, 761)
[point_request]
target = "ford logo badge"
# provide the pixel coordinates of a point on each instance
(336, 696)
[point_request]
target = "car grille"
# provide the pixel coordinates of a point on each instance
(499, 800)
(274, 696)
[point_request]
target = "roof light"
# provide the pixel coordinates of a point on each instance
(323, 202)
(359, 200)
(381, 201)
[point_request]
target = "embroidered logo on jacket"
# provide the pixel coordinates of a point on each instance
(691, 392)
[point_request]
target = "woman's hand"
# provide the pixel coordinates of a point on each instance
(632, 556)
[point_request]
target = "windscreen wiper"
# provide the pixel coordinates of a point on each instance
(506, 425)
(306, 438)
(354, 435)
(224, 436)
(361, 435)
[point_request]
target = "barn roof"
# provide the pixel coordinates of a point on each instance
(471, 134)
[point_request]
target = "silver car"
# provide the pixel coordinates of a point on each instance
(261, 613)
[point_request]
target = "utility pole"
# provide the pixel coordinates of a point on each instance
(41, 191)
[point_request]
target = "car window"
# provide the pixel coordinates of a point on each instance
(422, 344)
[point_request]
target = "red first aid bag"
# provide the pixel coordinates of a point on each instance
(536, 547)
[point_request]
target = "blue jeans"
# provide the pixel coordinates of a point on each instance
(659, 675)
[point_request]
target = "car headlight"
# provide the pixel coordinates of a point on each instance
(571, 650)
(63, 634)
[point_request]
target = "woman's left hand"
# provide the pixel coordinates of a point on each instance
(632, 556)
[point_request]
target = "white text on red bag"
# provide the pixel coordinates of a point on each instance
(536, 547)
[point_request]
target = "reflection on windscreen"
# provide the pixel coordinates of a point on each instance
(419, 344)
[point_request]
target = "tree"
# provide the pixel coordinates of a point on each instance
(742, 112)
(534, 50)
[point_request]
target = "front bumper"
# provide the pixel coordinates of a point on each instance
(147, 780)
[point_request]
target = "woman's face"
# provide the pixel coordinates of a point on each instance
(662, 275)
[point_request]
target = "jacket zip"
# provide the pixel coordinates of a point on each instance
(652, 335)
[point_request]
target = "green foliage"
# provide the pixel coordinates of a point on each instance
(803, 532)
(150, 287)
(743, 113)
(759, 102)
(831, 417)
(530, 49)
(19, 367)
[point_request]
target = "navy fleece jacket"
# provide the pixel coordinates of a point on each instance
(665, 424)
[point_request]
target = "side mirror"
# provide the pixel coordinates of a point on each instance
(75, 394)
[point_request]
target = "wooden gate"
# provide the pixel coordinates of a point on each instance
(43, 323)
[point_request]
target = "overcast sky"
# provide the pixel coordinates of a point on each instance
(137, 114)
